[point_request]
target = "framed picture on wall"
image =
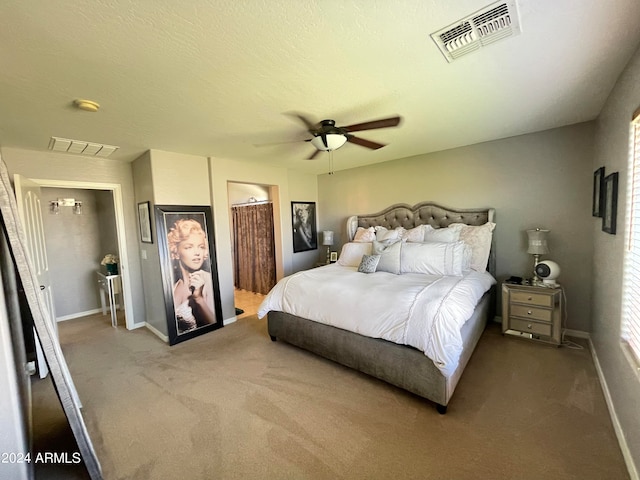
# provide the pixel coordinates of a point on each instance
(610, 203)
(305, 232)
(144, 217)
(189, 271)
(598, 193)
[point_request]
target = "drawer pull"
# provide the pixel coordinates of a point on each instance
(529, 312)
(529, 327)
(529, 298)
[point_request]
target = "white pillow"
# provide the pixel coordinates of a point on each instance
(415, 234)
(435, 258)
(389, 256)
(479, 239)
(447, 235)
(352, 252)
(385, 235)
(364, 234)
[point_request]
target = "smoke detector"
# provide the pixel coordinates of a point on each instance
(494, 22)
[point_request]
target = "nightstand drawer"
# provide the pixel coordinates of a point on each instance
(531, 327)
(532, 298)
(530, 312)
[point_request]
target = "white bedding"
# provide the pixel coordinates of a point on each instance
(423, 311)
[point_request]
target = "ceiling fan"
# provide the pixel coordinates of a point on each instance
(327, 137)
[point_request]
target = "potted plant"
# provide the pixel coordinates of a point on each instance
(110, 261)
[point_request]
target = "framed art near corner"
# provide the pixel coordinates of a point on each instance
(144, 217)
(189, 271)
(610, 203)
(305, 232)
(598, 192)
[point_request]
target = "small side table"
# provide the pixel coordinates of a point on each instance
(109, 285)
(532, 312)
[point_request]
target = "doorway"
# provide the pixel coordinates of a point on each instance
(253, 244)
(77, 240)
(111, 199)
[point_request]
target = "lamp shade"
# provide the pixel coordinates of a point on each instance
(327, 237)
(334, 141)
(538, 242)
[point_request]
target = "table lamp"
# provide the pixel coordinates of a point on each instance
(537, 246)
(327, 239)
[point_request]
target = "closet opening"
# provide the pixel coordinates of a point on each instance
(253, 244)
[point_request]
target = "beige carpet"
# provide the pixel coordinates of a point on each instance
(231, 404)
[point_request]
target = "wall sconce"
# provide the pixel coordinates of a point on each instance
(54, 207)
(76, 205)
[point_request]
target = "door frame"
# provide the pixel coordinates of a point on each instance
(116, 191)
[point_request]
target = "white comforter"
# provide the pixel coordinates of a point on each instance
(424, 311)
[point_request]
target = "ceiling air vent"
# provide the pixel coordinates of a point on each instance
(495, 22)
(58, 144)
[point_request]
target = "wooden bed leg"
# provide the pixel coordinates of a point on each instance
(273, 338)
(442, 409)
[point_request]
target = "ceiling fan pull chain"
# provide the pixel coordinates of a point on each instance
(330, 162)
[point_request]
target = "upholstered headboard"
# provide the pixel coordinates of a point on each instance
(438, 216)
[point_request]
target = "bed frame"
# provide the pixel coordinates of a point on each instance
(399, 365)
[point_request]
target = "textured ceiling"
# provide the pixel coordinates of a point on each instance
(215, 78)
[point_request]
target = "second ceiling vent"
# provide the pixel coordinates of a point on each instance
(492, 23)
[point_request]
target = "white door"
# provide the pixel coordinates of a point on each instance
(30, 211)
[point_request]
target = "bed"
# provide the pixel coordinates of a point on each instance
(387, 344)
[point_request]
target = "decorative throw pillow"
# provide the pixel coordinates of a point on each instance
(389, 256)
(364, 235)
(447, 235)
(385, 235)
(415, 234)
(368, 263)
(479, 239)
(351, 253)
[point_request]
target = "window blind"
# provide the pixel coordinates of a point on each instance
(631, 275)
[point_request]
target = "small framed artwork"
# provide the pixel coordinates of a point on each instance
(334, 257)
(610, 203)
(189, 271)
(144, 217)
(305, 231)
(598, 193)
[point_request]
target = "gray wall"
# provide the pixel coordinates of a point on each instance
(612, 152)
(538, 180)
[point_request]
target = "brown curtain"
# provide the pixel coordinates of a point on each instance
(253, 247)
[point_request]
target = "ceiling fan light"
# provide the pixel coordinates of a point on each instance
(334, 141)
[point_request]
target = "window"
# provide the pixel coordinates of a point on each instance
(631, 278)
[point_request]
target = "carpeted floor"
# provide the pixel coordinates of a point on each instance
(231, 404)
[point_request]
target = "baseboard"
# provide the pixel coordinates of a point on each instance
(577, 333)
(622, 441)
(229, 320)
(78, 315)
(157, 332)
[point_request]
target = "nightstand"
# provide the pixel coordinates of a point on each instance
(532, 312)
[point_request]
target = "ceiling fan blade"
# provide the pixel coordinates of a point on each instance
(383, 123)
(313, 155)
(364, 143)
